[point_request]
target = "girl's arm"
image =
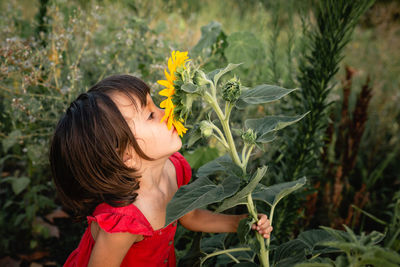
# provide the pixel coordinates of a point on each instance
(111, 248)
(206, 221)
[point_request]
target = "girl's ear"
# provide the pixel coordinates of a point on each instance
(127, 157)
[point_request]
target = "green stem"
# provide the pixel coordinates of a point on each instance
(223, 142)
(249, 153)
(213, 90)
(221, 135)
(244, 154)
(271, 217)
(263, 254)
(224, 118)
(225, 126)
(394, 238)
(233, 258)
(228, 108)
(225, 251)
(245, 158)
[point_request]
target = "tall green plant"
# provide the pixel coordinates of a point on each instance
(325, 41)
(357, 250)
(335, 21)
(236, 186)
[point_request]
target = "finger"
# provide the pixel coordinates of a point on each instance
(266, 224)
(267, 230)
(262, 219)
(261, 215)
(266, 236)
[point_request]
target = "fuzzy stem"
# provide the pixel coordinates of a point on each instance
(224, 118)
(221, 135)
(245, 157)
(271, 216)
(263, 254)
(223, 142)
(244, 153)
(233, 258)
(225, 251)
(225, 125)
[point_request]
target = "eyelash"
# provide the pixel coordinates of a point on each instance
(151, 116)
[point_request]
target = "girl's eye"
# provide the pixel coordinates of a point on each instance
(151, 116)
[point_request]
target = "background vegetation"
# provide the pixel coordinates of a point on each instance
(52, 50)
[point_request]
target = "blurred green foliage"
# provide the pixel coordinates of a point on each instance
(52, 50)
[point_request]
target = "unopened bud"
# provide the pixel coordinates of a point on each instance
(232, 90)
(249, 137)
(200, 78)
(206, 128)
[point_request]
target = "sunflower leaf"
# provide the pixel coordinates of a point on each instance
(223, 164)
(273, 194)
(199, 194)
(240, 197)
(262, 94)
(190, 88)
(224, 71)
(265, 127)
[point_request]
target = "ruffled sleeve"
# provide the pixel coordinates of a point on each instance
(183, 169)
(121, 219)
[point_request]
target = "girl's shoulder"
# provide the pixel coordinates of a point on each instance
(121, 219)
(182, 168)
(130, 218)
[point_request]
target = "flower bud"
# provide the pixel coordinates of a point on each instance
(200, 78)
(249, 137)
(206, 128)
(231, 91)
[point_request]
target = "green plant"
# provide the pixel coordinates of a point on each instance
(43, 69)
(325, 40)
(358, 250)
(235, 186)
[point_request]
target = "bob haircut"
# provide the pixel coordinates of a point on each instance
(87, 148)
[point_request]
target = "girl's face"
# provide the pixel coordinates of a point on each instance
(153, 137)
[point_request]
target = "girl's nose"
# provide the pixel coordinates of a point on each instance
(161, 112)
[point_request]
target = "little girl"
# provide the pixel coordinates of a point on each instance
(116, 165)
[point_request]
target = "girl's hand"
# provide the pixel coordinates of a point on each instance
(263, 226)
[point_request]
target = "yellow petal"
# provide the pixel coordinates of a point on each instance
(180, 128)
(164, 118)
(168, 92)
(164, 83)
(170, 77)
(169, 123)
(177, 59)
(170, 66)
(163, 104)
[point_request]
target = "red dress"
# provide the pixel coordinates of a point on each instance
(157, 247)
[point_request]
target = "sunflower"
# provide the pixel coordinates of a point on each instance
(177, 60)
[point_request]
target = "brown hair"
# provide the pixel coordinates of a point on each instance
(88, 144)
